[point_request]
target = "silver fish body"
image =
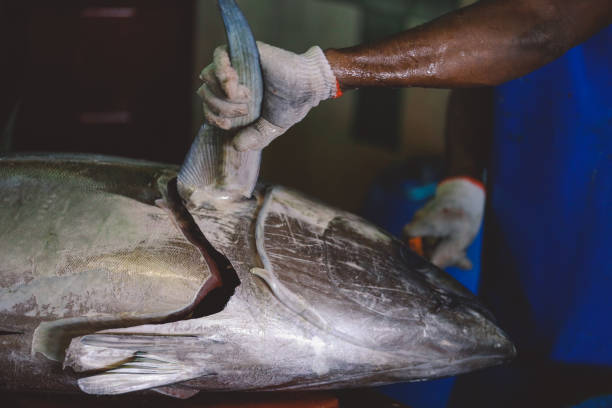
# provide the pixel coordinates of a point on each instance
(95, 275)
(141, 276)
(81, 241)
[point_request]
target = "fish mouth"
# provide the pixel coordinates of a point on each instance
(481, 362)
(500, 352)
(460, 339)
(489, 346)
(450, 358)
(507, 349)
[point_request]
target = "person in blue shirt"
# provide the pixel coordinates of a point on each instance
(546, 271)
(546, 268)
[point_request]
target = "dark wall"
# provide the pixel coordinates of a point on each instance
(109, 77)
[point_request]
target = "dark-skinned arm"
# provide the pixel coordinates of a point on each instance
(484, 44)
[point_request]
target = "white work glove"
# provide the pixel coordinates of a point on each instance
(293, 84)
(454, 215)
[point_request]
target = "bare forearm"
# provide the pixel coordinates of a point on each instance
(484, 44)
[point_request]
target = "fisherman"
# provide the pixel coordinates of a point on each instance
(546, 271)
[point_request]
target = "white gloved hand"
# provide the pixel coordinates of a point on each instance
(454, 215)
(293, 84)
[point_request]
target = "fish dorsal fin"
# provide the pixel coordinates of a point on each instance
(213, 169)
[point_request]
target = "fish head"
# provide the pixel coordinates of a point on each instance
(370, 292)
(457, 338)
(454, 332)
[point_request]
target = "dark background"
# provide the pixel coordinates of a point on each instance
(98, 76)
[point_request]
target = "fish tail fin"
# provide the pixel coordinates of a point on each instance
(213, 169)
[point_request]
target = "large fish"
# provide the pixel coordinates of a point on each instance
(137, 275)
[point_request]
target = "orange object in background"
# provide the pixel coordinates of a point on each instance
(416, 244)
(424, 246)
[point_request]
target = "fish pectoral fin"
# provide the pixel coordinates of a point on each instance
(101, 351)
(137, 362)
(143, 371)
(177, 391)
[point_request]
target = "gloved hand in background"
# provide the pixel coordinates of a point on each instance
(454, 215)
(293, 84)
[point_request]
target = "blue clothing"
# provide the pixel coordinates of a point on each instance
(547, 252)
(392, 205)
(547, 255)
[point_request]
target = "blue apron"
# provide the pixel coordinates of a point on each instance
(547, 255)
